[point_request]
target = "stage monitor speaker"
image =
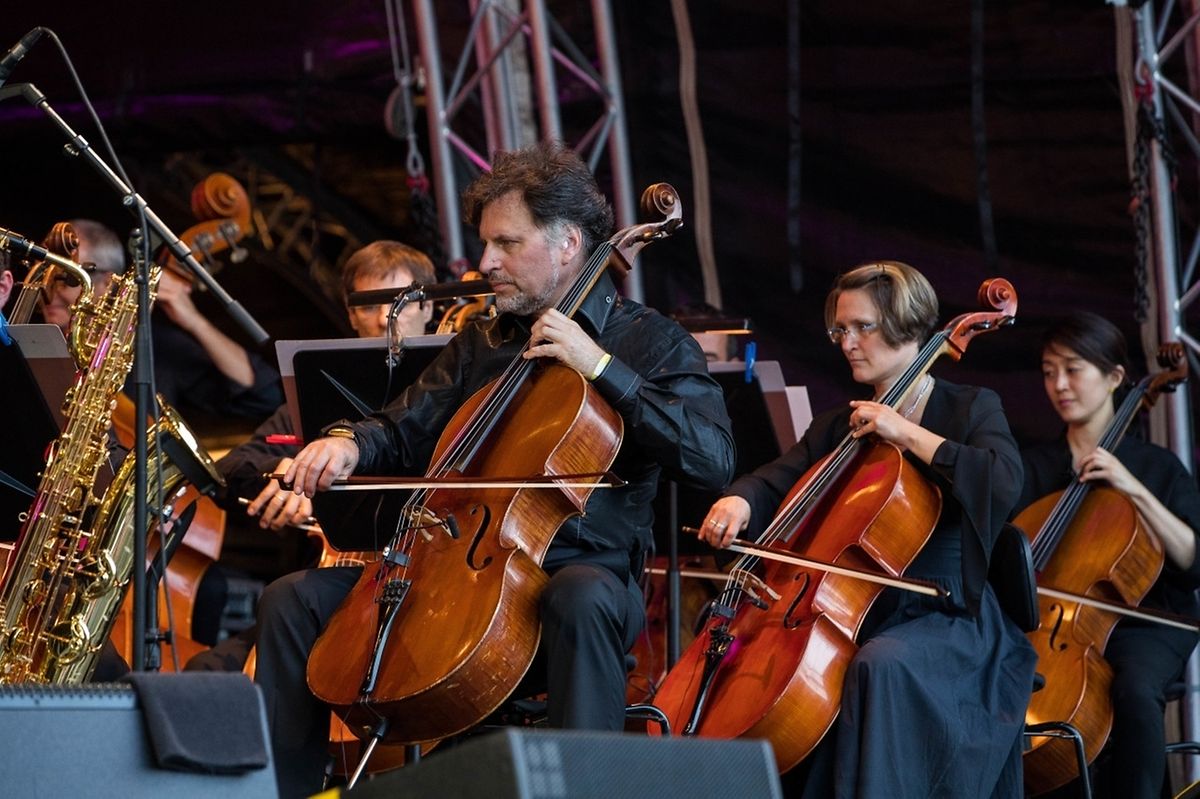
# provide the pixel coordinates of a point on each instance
(90, 740)
(568, 764)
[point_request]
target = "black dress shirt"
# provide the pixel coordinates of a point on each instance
(674, 416)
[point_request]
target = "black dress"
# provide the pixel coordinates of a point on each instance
(1145, 657)
(934, 701)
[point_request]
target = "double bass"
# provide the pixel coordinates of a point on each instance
(772, 658)
(1087, 540)
(437, 634)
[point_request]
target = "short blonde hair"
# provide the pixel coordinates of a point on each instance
(380, 258)
(908, 306)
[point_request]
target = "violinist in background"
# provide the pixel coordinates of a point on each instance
(379, 265)
(1083, 369)
(933, 703)
(540, 216)
(196, 366)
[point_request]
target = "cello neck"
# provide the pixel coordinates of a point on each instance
(1063, 513)
(1172, 359)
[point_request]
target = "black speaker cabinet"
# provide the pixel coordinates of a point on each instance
(564, 764)
(90, 740)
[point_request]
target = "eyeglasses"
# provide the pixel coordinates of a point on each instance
(857, 329)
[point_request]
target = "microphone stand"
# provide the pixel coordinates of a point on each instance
(146, 652)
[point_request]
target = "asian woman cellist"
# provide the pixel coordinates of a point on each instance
(1083, 361)
(933, 701)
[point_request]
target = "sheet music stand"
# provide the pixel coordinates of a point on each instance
(308, 367)
(37, 371)
(312, 371)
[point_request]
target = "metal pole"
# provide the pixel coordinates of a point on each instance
(543, 70)
(1176, 406)
(624, 199)
(1166, 261)
(496, 87)
(439, 132)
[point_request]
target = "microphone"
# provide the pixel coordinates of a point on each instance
(17, 52)
(419, 292)
(27, 249)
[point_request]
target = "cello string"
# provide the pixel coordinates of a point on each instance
(792, 515)
(493, 406)
(1065, 509)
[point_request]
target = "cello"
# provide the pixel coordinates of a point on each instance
(772, 658)
(1087, 540)
(436, 635)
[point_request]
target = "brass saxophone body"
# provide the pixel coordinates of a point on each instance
(74, 558)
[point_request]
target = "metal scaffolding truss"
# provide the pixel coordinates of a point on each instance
(1156, 41)
(1159, 65)
(507, 73)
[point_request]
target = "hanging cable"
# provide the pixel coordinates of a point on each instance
(697, 151)
(987, 222)
(399, 119)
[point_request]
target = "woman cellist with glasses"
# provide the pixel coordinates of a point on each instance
(1084, 372)
(933, 701)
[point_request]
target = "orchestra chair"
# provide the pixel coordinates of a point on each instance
(1177, 691)
(1062, 729)
(1014, 580)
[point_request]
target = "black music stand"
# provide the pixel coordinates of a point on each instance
(764, 427)
(37, 371)
(326, 380)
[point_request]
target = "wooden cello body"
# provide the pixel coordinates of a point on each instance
(1089, 541)
(772, 660)
(463, 641)
(436, 635)
(1106, 554)
(784, 669)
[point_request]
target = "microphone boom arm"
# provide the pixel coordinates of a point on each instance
(138, 205)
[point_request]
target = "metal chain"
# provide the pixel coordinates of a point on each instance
(1149, 128)
(403, 72)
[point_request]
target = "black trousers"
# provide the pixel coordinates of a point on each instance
(590, 618)
(1145, 661)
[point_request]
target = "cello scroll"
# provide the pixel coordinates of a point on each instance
(995, 293)
(659, 199)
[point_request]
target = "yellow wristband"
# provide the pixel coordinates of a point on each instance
(340, 432)
(601, 365)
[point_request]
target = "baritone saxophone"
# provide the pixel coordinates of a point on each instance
(74, 558)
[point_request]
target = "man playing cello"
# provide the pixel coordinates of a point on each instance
(540, 215)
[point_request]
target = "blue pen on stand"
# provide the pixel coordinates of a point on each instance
(751, 353)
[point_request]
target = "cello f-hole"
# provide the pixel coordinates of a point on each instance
(790, 623)
(1055, 643)
(477, 536)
